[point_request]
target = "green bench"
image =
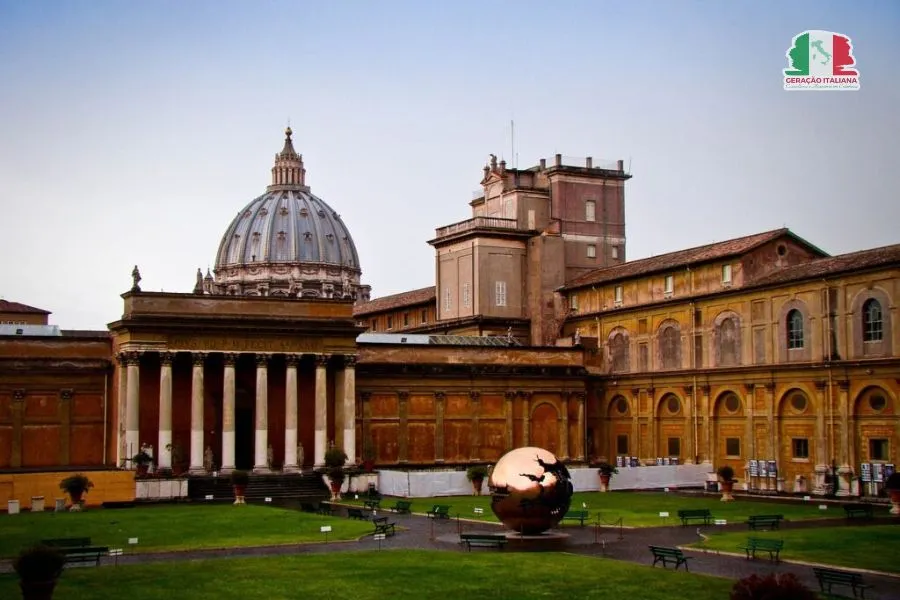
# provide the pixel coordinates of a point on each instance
(831, 577)
(695, 514)
(84, 554)
(754, 545)
(382, 525)
(485, 540)
(357, 513)
(667, 555)
(576, 515)
(73, 542)
(863, 511)
(401, 507)
(764, 521)
(439, 511)
(372, 504)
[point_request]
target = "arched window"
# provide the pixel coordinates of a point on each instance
(873, 325)
(670, 348)
(794, 329)
(618, 353)
(728, 343)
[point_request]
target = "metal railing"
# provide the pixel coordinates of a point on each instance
(475, 223)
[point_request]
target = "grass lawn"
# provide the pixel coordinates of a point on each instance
(875, 547)
(176, 527)
(637, 509)
(412, 574)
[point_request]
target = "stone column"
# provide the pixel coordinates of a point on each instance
(475, 437)
(349, 411)
(526, 418)
(654, 425)
(690, 409)
(844, 470)
(132, 406)
(65, 424)
(368, 442)
(510, 396)
(821, 467)
(564, 425)
(18, 419)
(338, 411)
(261, 437)
(772, 450)
(439, 399)
(196, 465)
(634, 445)
(580, 451)
(749, 430)
(321, 435)
(164, 449)
(121, 403)
(290, 415)
(707, 425)
(403, 434)
(228, 384)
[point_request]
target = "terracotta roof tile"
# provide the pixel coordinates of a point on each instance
(385, 303)
(823, 267)
(15, 307)
(683, 258)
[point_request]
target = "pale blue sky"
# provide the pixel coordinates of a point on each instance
(132, 132)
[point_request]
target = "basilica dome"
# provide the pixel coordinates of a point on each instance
(287, 242)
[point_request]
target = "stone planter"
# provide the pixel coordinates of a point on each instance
(37, 590)
(895, 502)
(604, 483)
(239, 494)
(727, 488)
(477, 486)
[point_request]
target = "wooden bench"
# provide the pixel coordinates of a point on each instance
(401, 507)
(764, 521)
(357, 513)
(859, 510)
(698, 514)
(830, 577)
(666, 555)
(383, 526)
(84, 554)
(485, 540)
(773, 547)
(439, 511)
(372, 504)
(576, 515)
(326, 509)
(73, 542)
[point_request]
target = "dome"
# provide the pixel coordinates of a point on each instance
(286, 242)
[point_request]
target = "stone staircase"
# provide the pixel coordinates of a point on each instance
(307, 487)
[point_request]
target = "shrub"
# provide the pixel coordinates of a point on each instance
(893, 482)
(335, 457)
(606, 468)
(239, 477)
(39, 563)
(771, 587)
(726, 473)
(76, 484)
(476, 472)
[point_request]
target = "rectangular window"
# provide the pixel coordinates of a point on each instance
(733, 447)
(447, 300)
(500, 293)
(622, 444)
(698, 350)
(390, 323)
(591, 251)
(674, 446)
(670, 284)
(800, 447)
(590, 210)
(643, 357)
(619, 294)
(614, 251)
(878, 449)
(406, 319)
(424, 316)
(466, 300)
(726, 274)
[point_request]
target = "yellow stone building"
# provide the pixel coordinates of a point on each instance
(761, 348)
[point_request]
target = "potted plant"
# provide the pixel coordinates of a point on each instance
(476, 474)
(726, 482)
(335, 459)
(892, 485)
(142, 461)
(76, 486)
(38, 568)
(606, 471)
(239, 481)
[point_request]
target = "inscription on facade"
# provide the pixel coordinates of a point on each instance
(297, 345)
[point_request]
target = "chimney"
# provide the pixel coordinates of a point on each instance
(620, 165)
(543, 164)
(559, 160)
(589, 162)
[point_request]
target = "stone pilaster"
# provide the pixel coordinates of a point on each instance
(261, 435)
(580, 451)
(440, 399)
(654, 425)
(198, 359)
(133, 407)
(845, 470)
(564, 425)
(526, 418)
(65, 424)
(228, 392)
(121, 404)
(708, 454)
(403, 445)
(510, 398)
(368, 442)
(290, 415)
(18, 419)
(690, 409)
(475, 439)
(349, 410)
(321, 424)
(164, 448)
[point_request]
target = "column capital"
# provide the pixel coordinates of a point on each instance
(292, 360)
(509, 395)
(704, 389)
(166, 358)
(526, 394)
(366, 396)
(650, 391)
(635, 392)
(230, 359)
(403, 395)
(121, 358)
(770, 386)
(688, 390)
(262, 359)
(749, 388)
(198, 358)
(322, 360)
(19, 395)
(350, 360)
(133, 358)
(579, 396)
(440, 396)
(844, 385)
(474, 395)
(66, 394)
(821, 384)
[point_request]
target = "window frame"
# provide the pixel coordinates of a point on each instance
(800, 443)
(669, 285)
(618, 294)
(726, 275)
(794, 326)
(736, 440)
(872, 330)
(592, 251)
(465, 295)
(500, 293)
(590, 211)
(619, 438)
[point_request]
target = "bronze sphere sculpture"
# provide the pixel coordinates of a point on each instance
(531, 490)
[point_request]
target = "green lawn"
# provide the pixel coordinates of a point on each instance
(875, 547)
(174, 527)
(636, 509)
(392, 574)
